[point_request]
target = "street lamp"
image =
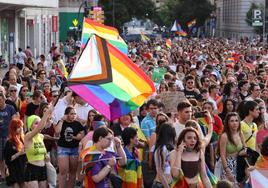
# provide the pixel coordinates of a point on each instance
(86, 7)
(113, 14)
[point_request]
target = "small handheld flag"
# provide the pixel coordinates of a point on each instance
(191, 23)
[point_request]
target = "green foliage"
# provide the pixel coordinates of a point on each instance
(125, 10)
(185, 11)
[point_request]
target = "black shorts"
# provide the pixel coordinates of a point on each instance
(35, 173)
(3, 141)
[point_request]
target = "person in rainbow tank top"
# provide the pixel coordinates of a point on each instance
(35, 172)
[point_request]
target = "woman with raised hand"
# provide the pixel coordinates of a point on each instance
(187, 154)
(35, 173)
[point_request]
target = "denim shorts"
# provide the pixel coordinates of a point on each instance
(67, 151)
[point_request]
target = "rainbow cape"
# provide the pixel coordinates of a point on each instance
(108, 80)
(89, 157)
(191, 23)
(180, 181)
(168, 43)
(109, 33)
(131, 174)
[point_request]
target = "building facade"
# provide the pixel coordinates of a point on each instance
(231, 18)
(69, 10)
(23, 23)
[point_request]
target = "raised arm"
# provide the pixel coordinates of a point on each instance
(175, 160)
(41, 125)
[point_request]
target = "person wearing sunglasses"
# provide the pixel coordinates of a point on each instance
(190, 90)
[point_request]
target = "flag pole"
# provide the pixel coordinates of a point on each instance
(63, 85)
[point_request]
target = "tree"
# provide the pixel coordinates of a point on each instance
(125, 10)
(185, 11)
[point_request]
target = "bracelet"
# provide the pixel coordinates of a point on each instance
(176, 168)
(60, 121)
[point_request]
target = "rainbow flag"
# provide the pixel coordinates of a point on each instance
(131, 174)
(212, 178)
(89, 157)
(109, 33)
(262, 163)
(203, 124)
(168, 43)
(204, 127)
(191, 23)
(258, 180)
(180, 181)
(108, 80)
(181, 33)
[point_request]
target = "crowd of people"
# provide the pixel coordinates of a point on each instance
(215, 138)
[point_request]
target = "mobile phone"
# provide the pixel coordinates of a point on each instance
(200, 114)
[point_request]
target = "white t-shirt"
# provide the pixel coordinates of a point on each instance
(82, 111)
(178, 128)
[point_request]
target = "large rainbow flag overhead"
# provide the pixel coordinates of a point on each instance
(108, 80)
(109, 33)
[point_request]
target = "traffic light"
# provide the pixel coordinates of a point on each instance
(97, 14)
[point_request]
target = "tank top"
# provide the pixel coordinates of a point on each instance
(190, 168)
(231, 148)
(37, 150)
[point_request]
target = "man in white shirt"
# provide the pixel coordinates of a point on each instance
(60, 107)
(82, 108)
(184, 114)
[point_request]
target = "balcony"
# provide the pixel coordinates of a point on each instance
(17, 4)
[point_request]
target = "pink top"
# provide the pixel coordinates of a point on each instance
(261, 134)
